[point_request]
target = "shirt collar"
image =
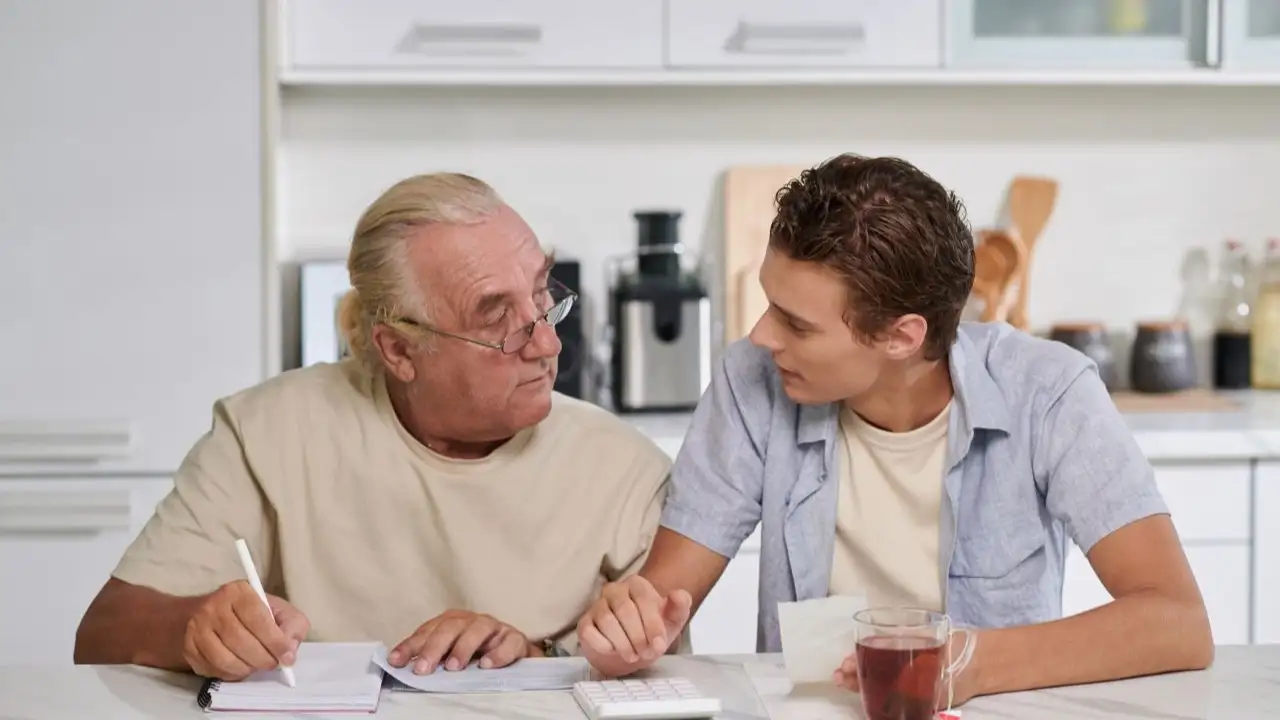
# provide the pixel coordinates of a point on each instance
(977, 397)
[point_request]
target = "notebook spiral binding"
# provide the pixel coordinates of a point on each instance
(205, 697)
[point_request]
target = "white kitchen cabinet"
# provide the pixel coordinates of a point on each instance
(804, 34)
(1251, 35)
(374, 35)
(1211, 504)
(1087, 35)
(726, 621)
(1266, 558)
(131, 271)
(59, 541)
(1222, 571)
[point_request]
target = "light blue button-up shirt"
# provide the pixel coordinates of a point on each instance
(1036, 454)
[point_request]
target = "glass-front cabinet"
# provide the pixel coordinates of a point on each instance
(1083, 35)
(1251, 34)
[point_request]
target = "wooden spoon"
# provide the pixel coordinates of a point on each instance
(1031, 201)
(1000, 258)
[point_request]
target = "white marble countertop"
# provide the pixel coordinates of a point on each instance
(1252, 431)
(1243, 684)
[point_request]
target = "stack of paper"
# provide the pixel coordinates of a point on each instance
(523, 675)
(332, 677)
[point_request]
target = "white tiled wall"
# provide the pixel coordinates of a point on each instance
(1148, 174)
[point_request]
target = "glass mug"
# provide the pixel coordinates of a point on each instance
(904, 661)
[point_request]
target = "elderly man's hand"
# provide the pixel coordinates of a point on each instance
(454, 638)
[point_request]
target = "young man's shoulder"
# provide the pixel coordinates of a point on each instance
(1022, 364)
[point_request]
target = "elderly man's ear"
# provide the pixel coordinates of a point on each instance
(396, 353)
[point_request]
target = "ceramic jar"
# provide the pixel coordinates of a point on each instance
(1163, 359)
(1091, 339)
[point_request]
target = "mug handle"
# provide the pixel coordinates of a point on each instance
(956, 666)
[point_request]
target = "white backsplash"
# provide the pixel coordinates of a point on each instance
(1150, 177)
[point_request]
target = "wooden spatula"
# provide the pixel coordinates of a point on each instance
(1031, 201)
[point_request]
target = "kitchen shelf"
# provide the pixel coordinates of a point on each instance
(765, 78)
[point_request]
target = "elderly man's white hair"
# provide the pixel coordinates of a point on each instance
(383, 285)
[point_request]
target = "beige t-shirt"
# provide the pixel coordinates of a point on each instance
(887, 522)
(370, 534)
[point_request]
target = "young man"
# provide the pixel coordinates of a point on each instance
(893, 452)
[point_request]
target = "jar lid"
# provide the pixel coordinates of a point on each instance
(1159, 325)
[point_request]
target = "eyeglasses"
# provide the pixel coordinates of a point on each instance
(561, 301)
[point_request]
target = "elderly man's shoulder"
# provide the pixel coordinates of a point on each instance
(590, 428)
(315, 391)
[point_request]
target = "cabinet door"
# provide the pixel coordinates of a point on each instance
(1266, 558)
(130, 229)
(1079, 34)
(726, 621)
(804, 33)
(363, 35)
(1222, 571)
(1251, 35)
(59, 541)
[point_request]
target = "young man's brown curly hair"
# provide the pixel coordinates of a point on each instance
(897, 237)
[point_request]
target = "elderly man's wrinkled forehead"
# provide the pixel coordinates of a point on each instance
(460, 266)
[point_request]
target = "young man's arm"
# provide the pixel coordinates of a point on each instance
(1102, 487)
(712, 506)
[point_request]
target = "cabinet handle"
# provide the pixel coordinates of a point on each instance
(473, 39)
(789, 39)
(53, 442)
(47, 511)
(1213, 34)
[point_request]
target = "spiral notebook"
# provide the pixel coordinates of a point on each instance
(331, 677)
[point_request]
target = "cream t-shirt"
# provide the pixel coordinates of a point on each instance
(370, 534)
(887, 522)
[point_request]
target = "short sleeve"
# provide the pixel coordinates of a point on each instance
(718, 477)
(637, 522)
(1098, 479)
(187, 548)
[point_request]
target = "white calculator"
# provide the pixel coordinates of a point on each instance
(644, 699)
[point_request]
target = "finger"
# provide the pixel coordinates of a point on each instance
(191, 653)
(628, 616)
(509, 648)
(677, 610)
(478, 632)
(256, 619)
(590, 637)
(408, 648)
(291, 621)
(608, 626)
(241, 641)
(650, 604)
(222, 663)
(437, 644)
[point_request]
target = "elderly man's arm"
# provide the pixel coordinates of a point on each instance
(1101, 486)
(177, 599)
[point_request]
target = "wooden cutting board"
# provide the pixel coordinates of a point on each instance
(749, 192)
(1178, 402)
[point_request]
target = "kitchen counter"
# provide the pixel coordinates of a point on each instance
(1251, 431)
(1243, 684)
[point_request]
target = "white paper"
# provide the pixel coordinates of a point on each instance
(783, 700)
(520, 676)
(817, 635)
(331, 677)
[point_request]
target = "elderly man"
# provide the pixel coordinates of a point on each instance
(430, 492)
(893, 453)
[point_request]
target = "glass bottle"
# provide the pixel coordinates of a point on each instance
(1232, 332)
(1266, 323)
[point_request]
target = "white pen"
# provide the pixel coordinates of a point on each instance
(246, 561)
